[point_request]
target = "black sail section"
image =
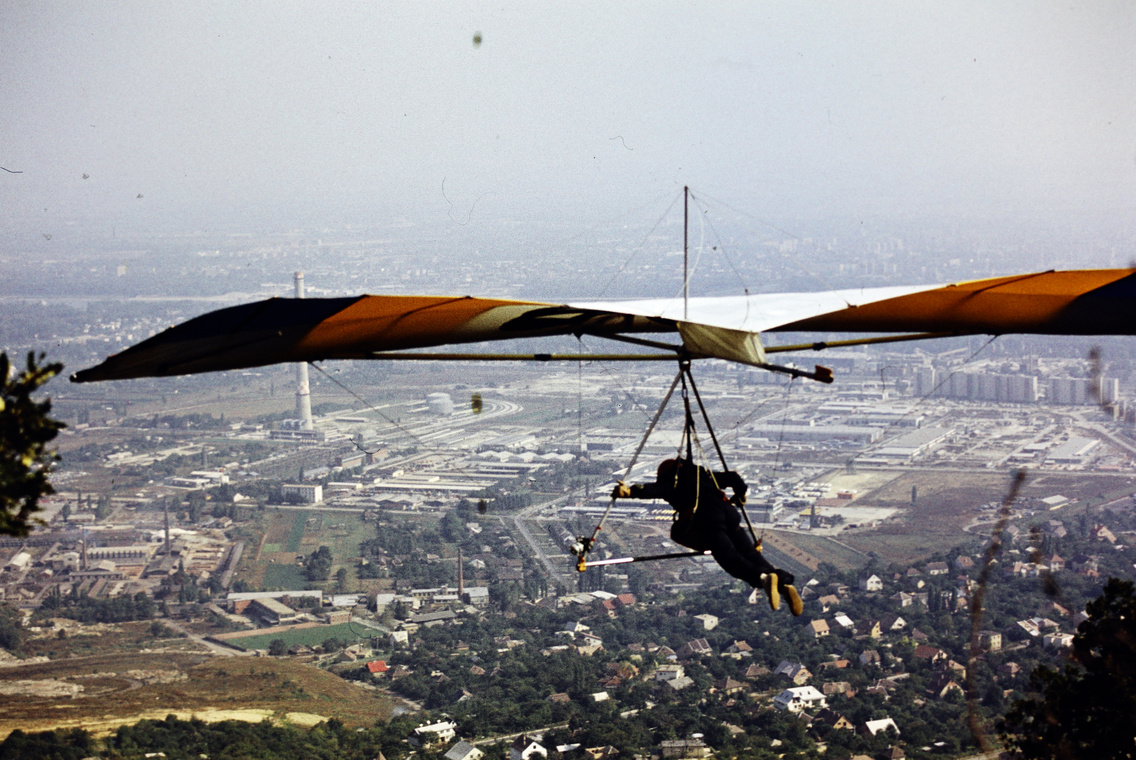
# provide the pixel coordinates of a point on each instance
(1107, 310)
(237, 337)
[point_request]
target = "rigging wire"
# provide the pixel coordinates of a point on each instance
(700, 249)
(823, 282)
(958, 369)
(638, 248)
(721, 245)
(611, 220)
(635, 404)
(688, 440)
(758, 540)
(651, 426)
(784, 423)
(745, 420)
(423, 445)
(585, 544)
(918, 402)
(369, 408)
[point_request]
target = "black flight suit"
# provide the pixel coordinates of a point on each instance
(707, 520)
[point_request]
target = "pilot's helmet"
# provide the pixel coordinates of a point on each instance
(668, 471)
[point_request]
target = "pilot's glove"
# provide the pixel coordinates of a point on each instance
(621, 491)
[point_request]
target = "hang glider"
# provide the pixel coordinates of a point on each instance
(285, 330)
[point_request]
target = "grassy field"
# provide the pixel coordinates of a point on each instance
(949, 502)
(296, 537)
(277, 576)
(833, 551)
(292, 532)
(104, 639)
(310, 637)
(120, 687)
(946, 503)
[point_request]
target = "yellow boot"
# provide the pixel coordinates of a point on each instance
(796, 606)
(769, 583)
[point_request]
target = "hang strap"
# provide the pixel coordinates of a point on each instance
(585, 544)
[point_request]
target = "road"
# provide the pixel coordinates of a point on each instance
(511, 737)
(213, 647)
(556, 570)
(935, 468)
(1111, 437)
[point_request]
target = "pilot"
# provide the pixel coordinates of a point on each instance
(707, 520)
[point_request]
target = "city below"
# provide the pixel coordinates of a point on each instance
(374, 520)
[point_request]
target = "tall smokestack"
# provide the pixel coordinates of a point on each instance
(303, 388)
(461, 575)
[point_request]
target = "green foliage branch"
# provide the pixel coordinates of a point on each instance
(1085, 710)
(25, 432)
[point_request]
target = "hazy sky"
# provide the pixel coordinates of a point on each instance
(326, 112)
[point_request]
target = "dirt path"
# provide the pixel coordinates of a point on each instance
(101, 727)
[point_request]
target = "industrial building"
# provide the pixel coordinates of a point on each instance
(1073, 451)
(306, 494)
(912, 444)
(977, 386)
(810, 433)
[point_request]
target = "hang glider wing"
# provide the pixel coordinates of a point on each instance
(278, 330)
(1075, 302)
(281, 330)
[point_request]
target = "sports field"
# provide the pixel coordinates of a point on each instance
(306, 634)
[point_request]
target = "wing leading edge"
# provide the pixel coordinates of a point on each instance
(283, 330)
(278, 330)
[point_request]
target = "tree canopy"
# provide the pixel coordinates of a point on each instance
(1085, 710)
(318, 566)
(25, 432)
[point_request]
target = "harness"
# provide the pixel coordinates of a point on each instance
(584, 544)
